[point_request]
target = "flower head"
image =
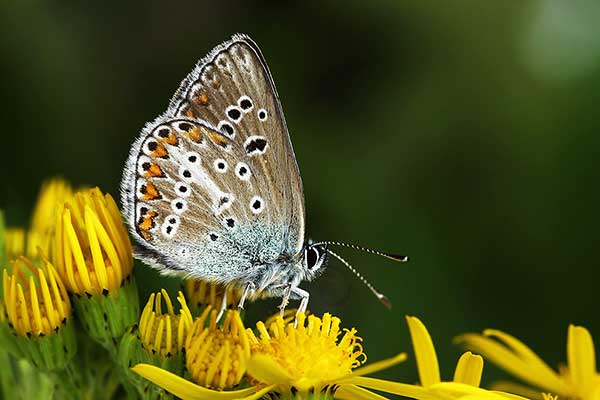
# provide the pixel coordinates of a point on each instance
(577, 380)
(35, 298)
(285, 358)
(161, 333)
(92, 251)
(53, 193)
(216, 356)
(309, 354)
(38, 309)
(202, 293)
(314, 355)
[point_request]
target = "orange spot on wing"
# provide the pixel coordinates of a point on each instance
(171, 139)
(154, 171)
(160, 151)
(150, 192)
(190, 113)
(217, 138)
(195, 134)
(147, 221)
(203, 99)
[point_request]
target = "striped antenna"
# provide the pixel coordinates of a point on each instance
(395, 257)
(386, 302)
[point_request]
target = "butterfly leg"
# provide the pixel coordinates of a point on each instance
(249, 287)
(304, 295)
(285, 299)
(223, 306)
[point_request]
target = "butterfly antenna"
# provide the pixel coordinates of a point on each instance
(391, 256)
(382, 298)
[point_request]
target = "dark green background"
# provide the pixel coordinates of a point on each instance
(462, 133)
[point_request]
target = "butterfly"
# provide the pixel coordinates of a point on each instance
(212, 190)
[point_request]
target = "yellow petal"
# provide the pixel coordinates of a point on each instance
(402, 389)
(380, 365)
(427, 362)
(351, 392)
(184, 388)
(469, 369)
(266, 370)
(582, 359)
(522, 351)
(464, 391)
(506, 359)
(521, 390)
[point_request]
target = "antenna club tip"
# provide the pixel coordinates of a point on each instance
(385, 301)
(398, 257)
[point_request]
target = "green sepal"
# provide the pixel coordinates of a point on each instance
(133, 352)
(107, 316)
(50, 352)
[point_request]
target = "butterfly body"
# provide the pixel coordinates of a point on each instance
(211, 188)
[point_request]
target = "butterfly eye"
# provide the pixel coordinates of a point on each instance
(313, 257)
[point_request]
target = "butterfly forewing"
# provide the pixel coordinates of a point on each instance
(232, 89)
(217, 172)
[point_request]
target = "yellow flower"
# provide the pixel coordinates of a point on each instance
(92, 251)
(35, 298)
(53, 193)
(467, 375)
(15, 243)
(292, 360)
(313, 355)
(164, 334)
(577, 380)
(19, 242)
(201, 293)
(215, 358)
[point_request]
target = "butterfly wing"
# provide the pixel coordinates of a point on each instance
(212, 187)
(232, 89)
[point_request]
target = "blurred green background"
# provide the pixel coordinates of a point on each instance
(463, 133)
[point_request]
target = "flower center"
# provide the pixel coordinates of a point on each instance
(310, 352)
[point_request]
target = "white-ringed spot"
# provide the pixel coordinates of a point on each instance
(170, 225)
(262, 115)
(179, 206)
(182, 189)
(226, 129)
(242, 171)
(245, 103)
(257, 204)
(192, 158)
(234, 113)
(220, 165)
(255, 145)
(185, 174)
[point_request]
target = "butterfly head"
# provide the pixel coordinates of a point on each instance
(314, 258)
